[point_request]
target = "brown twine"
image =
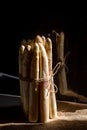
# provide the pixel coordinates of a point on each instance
(54, 72)
(49, 78)
(46, 79)
(57, 67)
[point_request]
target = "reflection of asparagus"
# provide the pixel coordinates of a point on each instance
(44, 85)
(25, 74)
(52, 99)
(33, 88)
(61, 74)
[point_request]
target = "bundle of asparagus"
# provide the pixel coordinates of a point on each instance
(36, 81)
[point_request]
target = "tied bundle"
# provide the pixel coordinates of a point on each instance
(36, 81)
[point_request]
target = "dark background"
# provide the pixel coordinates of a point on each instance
(20, 21)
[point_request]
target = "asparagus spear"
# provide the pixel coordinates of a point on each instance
(39, 39)
(44, 85)
(20, 60)
(34, 84)
(61, 74)
(52, 101)
(26, 77)
(44, 40)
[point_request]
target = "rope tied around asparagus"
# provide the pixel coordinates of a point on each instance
(46, 79)
(58, 67)
(60, 64)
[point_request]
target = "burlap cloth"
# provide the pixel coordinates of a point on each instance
(71, 116)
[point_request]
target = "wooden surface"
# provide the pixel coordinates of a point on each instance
(71, 116)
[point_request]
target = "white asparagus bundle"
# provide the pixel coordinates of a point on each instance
(34, 86)
(26, 77)
(52, 99)
(37, 84)
(61, 74)
(44, 84)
